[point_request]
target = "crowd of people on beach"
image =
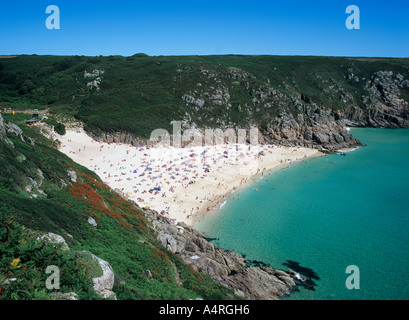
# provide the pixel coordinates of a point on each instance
(165, 178)
(154, 174)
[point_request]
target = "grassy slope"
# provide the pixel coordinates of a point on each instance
(123, 236)
(141, 93)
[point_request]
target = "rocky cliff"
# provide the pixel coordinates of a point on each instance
(326, 129)
(224, 266)
(289, 117)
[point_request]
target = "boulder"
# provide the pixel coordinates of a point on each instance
(55, 239)
(103, 285)
(92, 222)
(257, 284)
(148, 275)
(64, 296)
(72, 175)
(2, 129)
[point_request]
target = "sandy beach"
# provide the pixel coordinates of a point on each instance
(183, 184)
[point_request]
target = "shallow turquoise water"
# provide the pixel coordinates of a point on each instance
(328, 213)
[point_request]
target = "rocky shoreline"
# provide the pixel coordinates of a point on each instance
(224, 266)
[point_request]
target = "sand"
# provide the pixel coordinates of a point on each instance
(184, 184)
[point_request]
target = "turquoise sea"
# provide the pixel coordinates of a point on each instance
(323, 214)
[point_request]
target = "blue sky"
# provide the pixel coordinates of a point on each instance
(181, 27)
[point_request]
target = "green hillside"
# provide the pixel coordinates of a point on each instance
(43, 191)
(140, 93)
(294, 100)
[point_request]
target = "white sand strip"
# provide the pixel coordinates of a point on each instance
(181, 183)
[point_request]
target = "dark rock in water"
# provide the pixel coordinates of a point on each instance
(210, 239)
(256, 263)
(295, 266)
(302, 276)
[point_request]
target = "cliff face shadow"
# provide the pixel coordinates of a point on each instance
(307, 275)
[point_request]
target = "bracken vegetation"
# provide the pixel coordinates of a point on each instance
(37, 196)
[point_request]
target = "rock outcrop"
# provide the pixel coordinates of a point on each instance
(55, 239)
(314, 127)
(224, 266)
(92, 222)
(64, 296)
(11, 128)
(2, 129)
(326, 129)
(104, 284)
(383, 105)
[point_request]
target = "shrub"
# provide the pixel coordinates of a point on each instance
(58, 127)
(24, 259)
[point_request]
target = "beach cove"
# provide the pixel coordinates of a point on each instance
(184, 184)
